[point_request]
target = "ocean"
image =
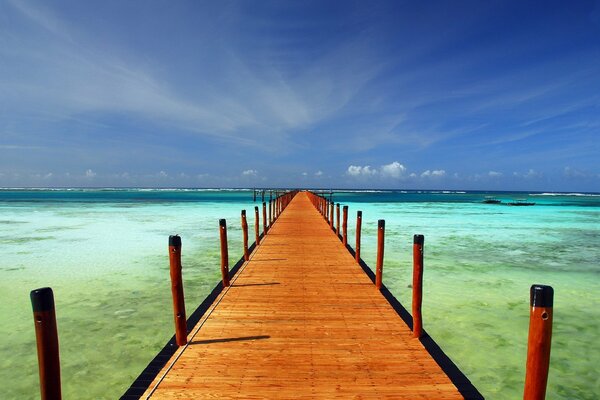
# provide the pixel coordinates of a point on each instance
(104, 253)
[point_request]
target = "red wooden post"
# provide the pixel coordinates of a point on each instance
(345, 226)
(380, 240)
(270, 213)
(264, 212)
(245, 235)
(177, 290)
(46, 335)
(539, 343)
(256, 226)
(358, 227)
(417, 298)
(224, 252)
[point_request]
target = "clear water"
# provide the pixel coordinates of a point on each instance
(104, 254)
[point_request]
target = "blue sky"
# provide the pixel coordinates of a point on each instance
(356, 94)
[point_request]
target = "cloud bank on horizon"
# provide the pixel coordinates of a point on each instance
(461, 95)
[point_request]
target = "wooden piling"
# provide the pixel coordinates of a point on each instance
(46, 335)
(224, 252)
(256, 226)
(254, 194)
(358, 228)
(417, 285)
(380, 240)
(337, 225)
(177, 290)
(345, 226)
(245, 235)
(270, 212)
(264, 216)
(539, 342)
(331, 215)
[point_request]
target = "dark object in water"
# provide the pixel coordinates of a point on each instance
(491, 200)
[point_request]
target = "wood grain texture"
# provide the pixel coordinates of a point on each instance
(301, 320)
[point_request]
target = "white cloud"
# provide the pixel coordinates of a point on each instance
(250, 172)
(163, 174)
(356, 170)
(393, 170)
(318, 173)
(436, 173)
(90, 174)
(305, 174)
(577, 173)
(531, 174)
(494, 174)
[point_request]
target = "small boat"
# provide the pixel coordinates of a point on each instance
(491, 200)
(521, 202)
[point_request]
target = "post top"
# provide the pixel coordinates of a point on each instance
(419, 239)
(222, 223)
(255, 208)
(42, 299)
(359, 213)
(345, 207)
(541, 296)
(175, 240)
(381, 223)
(244, 213)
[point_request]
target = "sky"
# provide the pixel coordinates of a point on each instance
(473, 95)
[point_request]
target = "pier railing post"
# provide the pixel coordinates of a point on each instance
(337, 225)
(358, 228)
(256, 226)
(417, 285)
(345, 226)
(331, 214)
(270, 212)
(245, 235)
(177, 290)
(380, 242)
(224, 252)
(539, 342)
(46, 335)
(264, 216)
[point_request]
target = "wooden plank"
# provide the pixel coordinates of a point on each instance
(302, 320)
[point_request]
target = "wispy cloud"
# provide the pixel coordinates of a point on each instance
(76, 75)
(250, 172)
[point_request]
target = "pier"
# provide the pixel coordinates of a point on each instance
(302, 319)
(301, 315)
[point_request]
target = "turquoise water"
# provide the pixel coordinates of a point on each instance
(104, 254)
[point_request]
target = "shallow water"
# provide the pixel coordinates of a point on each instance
(104, 254)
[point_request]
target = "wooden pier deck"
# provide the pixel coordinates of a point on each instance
(301, 319)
